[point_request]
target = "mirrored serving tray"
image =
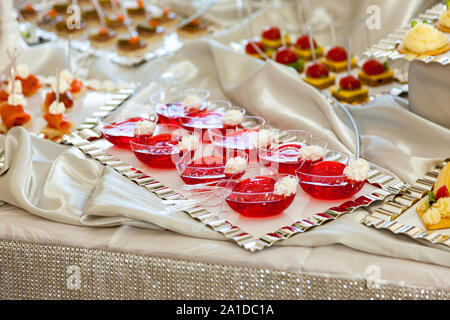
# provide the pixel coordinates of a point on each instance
(399, 217)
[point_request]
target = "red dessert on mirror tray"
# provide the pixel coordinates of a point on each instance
(336, 59)
(318, 76)
(374, 73)
(302, 48)
(288, 57)
(251, 51)
(271, 37)
(333, 180)
(350, 91)
(120, 133)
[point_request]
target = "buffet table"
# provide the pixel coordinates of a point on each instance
(72, 228)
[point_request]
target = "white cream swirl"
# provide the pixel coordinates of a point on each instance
(16, 100)
(286, 186)
(232, 117)
(423, 38)
(357, 170)
(23, 71)
(235, 165)
(144, 127)
(57, 108)
(188, 143)
(313, 152)
(432, 216)
(443, 206)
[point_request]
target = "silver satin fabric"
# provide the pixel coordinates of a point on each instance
(60, 184)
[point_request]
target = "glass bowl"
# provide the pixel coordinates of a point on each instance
(207, 165)
(253, 194)
(169, 105)
(284, 154)
(121, 132)
(161, 149)
(325, 179)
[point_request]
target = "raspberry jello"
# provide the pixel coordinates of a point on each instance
(374, 73)
(250, 49)
(350, 91)
(261, 193)
(318, 76)
(207, 165)
(271, 37)
(336, 59)
(170, 106)
(165, 146)
(300, 148)
(121, 132)
(333, 179)
(302, 48)
(288, 57)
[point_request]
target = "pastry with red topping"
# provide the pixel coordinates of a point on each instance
(149, 29)
(271, 38)
(318, 76)
(58, 124)
(350, 91)
(251, 51)
(131, 45)
(288, 57)
(336, 59)
(302, 48)
(76, 86)
(374, 73)
(137, 10)
(28, 12)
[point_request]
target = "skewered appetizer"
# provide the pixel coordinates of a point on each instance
(373, 73)
(28, 12)
(443, 22)
(288, 57)
(75, 85)
(350, 91)
(302, 48)
(318, 76)
(6, 92)
(106, 4)
(58, 124)
(138, 10)
(117, 22)
(13, 114)
(102, 36)
(336, 59)
(50, 19)
(251, 51)
(195, 27)
(65, 96)
(131, 45)
(271, 38)
(149, 29)
(90, 14)
(30, 83)
(65, 28)
(424, 39)
(163, 16)
(61, 6)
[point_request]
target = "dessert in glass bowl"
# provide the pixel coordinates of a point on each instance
(373, 73)
(164, 146)
(299, 149)
(170, 106)
(287, 56)
(335, 178)
(261, 192)
(302, 48)
(318, 76)
(350, 90)
(336, 59)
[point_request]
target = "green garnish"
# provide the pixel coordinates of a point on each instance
(413, 23)
(447, 3)
(298, 65)
(385, 66)
(426, 21)
(431, 198)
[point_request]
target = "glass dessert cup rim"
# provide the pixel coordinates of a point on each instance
(185, 118)
(299, 172)
(134, 143)
(151, 116)
(216, 132)
(155, 98)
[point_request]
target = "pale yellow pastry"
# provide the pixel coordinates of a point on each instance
(321, 83)
(424, 39)
(443, 22)
(350, 96)
(338, 66)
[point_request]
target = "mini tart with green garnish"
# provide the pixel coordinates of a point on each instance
(271, 38)
(287, 56)
(138, 10)
(149, 29)
(350, 91)
(336, 59)
(318, 76)
(131, 45)
(374, 74)
(117, 22)
(302, 48)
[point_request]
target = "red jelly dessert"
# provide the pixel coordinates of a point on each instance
(120, 133)
(288, 57)
(271, 33)
(304, 44)
(317, 71)
(350, 83)
(254, 197)
(250, 47)
(156, 151)
(337, 54)
(325, 180)
(372, 67)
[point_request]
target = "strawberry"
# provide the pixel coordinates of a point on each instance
(303, 42)
(350, 83)
(337, 54)
(271, 33)
(442, 193)
(373, 67)
(317, 70)
(251, 50)
(285, 55)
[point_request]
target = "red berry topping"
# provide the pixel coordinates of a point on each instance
(285, 55)
(337, 54)
(442, 193)
(303, 42)
(317, 70)
(373, 67)
(251, 50)
(350, 83)
(271, 33)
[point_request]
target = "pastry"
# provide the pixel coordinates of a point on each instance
(132, 45)
(336, 59)
(434, 209)
(302, 48)
(62, 28)
(195, 27)
(61, 6)
(58, 124)
(102, 37)
(288, 57)
(28, 12)
(149, 29)
(443, 22)
(251, 51)
(373, 73)
(165, 16)
(138, 10)
(90, 14)
(271, 38)
(319, 77)
(350, 91)
(424, 39)
(117, 22)
(13, 114)
(50, 19)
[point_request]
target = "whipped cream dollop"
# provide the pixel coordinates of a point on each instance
(313, 152)
(57, 108)
(443, 206)
(17, 87)
(232, 117)
(144, 127)
(264, 137)
(22, 71)
(444, 19)
(235, 165)
(66, 75)
(424, 38)
(63, 85)
(357, 170)
(432, 216)
(286, 186)
(188, 143)
(16, 99)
